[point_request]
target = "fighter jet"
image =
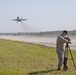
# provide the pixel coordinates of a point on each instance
(19, 19)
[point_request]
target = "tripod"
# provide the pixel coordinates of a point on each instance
(67, 48)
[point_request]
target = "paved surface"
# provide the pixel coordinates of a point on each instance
(42, 40)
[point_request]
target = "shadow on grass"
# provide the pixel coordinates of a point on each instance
(41, 72)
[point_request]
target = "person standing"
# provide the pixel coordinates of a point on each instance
(60, 50)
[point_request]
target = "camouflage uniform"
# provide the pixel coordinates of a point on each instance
(60, 49)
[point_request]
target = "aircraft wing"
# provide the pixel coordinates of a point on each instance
(23, 19)
(14, 19)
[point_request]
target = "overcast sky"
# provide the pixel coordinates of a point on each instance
(42, 15)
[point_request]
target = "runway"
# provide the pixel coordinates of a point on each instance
(42, 40)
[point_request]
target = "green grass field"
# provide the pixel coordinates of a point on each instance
(18, 58)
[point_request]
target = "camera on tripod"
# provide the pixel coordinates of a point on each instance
(69, 41)
(67, 47)
(67, 38)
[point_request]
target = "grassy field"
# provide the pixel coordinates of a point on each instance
(18, 58)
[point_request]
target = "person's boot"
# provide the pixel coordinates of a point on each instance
(65, 64)
(58, 69)
(65, 68)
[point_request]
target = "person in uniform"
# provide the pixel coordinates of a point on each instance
(60, 50)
